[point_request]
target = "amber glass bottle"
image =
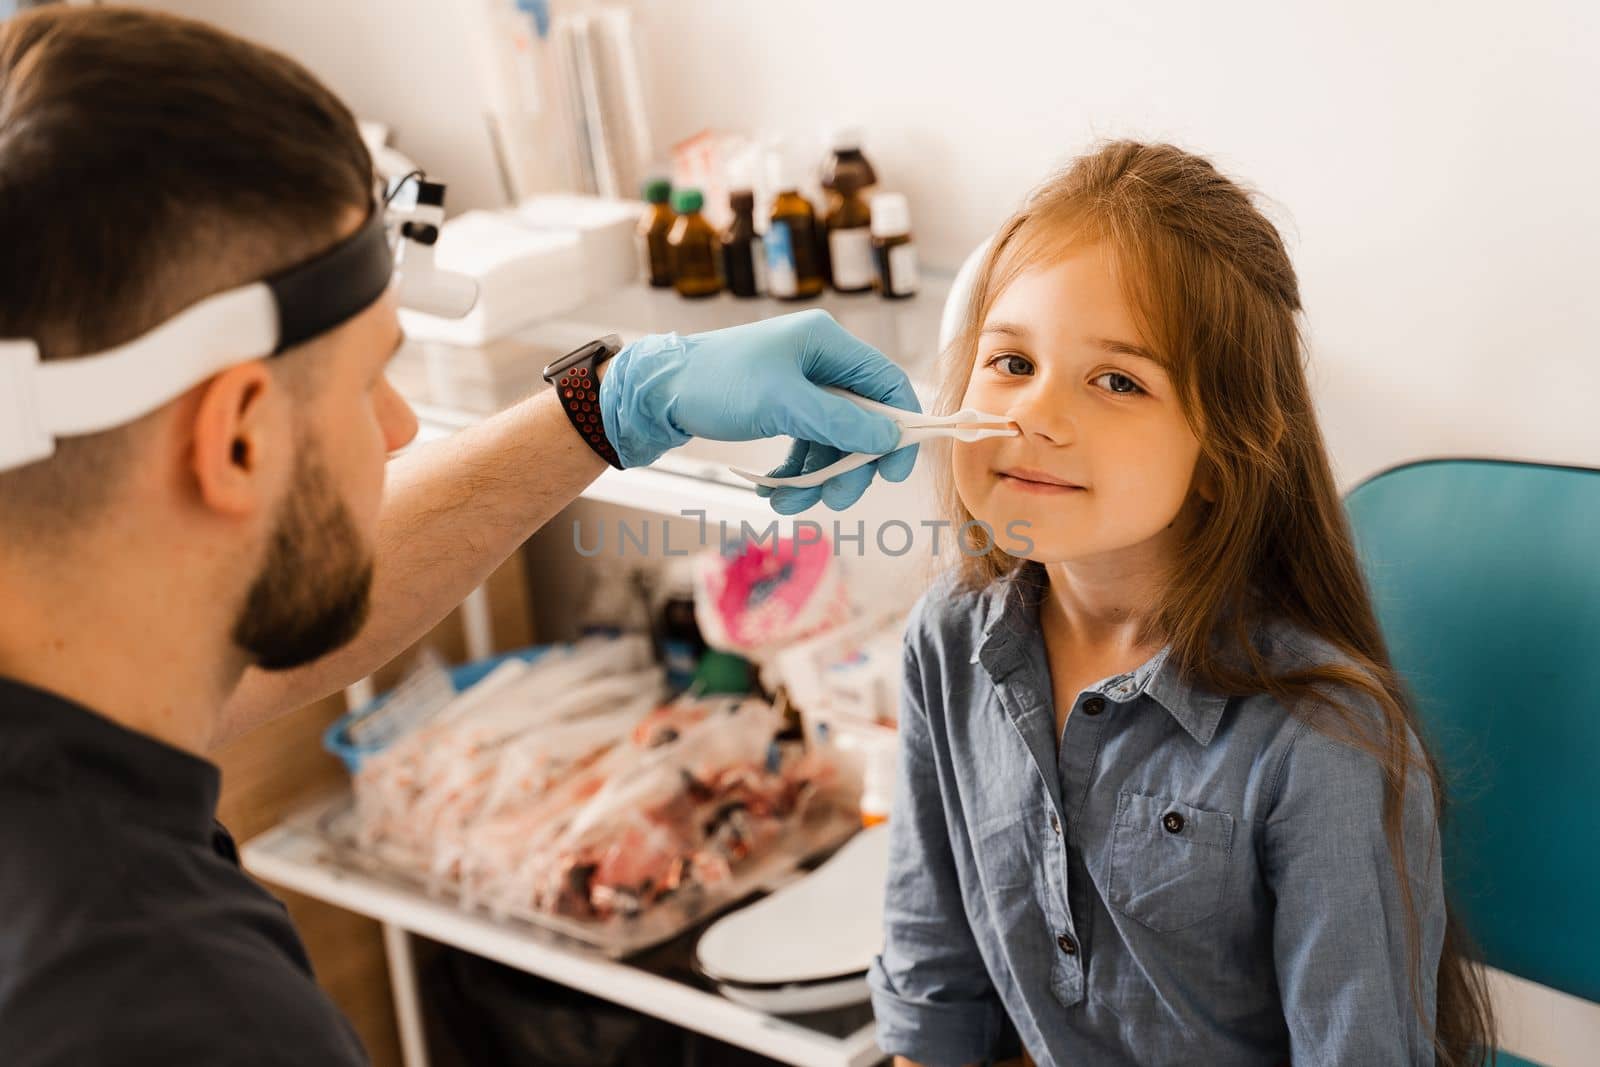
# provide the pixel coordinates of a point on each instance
(654, 227)
(846, 163)
(893, 251)
(848, 227)
(696, 248)
(794, 269)
(744, 262)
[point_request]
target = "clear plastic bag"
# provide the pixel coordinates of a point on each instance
(603, 813)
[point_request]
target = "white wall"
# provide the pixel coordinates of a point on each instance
(1434, 165)
(406, 63)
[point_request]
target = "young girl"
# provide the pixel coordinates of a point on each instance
(1161, 800)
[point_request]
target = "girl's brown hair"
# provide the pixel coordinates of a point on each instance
(1212, 288)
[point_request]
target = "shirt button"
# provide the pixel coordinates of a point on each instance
(1172, 822)
(1093, 706)
(1055, 824)
(1067, 945)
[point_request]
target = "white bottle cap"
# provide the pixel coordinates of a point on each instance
(844, 138)
(785, 170)
(891, 215)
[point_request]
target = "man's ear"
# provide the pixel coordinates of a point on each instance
(235, 433)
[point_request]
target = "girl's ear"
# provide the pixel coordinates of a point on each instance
(1205, 482)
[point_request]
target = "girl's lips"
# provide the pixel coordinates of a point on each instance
(1023, 484)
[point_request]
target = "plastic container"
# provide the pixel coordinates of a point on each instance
(878, 771)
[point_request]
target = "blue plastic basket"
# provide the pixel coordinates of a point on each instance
(336, 738)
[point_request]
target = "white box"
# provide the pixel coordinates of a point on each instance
(607, 231)
(523, 275)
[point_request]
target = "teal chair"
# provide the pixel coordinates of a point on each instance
(1486, 580)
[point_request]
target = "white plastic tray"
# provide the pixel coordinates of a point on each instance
(334, 823)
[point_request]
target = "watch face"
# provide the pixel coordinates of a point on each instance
(568, 360)
(578, 355)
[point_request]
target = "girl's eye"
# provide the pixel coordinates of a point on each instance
(1008, 355)
(1120, 384)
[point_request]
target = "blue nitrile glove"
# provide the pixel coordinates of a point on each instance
(761, 380)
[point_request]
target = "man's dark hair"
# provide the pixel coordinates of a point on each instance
(146, 162)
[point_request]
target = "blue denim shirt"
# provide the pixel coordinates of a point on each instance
(1183, 879)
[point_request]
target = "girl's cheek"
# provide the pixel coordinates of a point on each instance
(968, 462)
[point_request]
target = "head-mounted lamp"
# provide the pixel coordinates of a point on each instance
(41, 402)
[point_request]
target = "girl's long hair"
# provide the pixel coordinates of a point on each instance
(1212, 287)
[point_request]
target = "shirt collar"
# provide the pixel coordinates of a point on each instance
(1011, 620)
(61, 745)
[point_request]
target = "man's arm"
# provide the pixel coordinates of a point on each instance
(453, 511)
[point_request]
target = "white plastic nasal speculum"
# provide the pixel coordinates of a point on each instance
(967, 424)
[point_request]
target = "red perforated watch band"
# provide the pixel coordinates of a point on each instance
(578, 386)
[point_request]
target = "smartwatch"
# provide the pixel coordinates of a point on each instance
(578, 387)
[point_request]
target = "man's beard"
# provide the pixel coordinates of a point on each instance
(315, 587)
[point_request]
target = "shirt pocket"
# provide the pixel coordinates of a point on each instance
(1169, 861)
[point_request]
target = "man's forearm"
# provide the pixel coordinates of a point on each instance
(453, 511)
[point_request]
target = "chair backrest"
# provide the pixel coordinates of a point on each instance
(1486, 581)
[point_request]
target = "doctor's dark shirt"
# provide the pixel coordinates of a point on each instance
(1179, 878)
(128, 933)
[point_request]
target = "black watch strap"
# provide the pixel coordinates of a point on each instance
(578, 386)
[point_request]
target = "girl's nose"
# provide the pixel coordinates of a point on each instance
(1044, 411)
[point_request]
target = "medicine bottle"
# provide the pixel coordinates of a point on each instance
(849, 237)
(696, 248)
(654, 227)
(846, 163)
(794, 267)
(893, 252)
(877, 784)
(744, 258)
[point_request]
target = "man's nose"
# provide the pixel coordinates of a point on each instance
(399, 422)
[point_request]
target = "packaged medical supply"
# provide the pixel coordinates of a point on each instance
(568, 793)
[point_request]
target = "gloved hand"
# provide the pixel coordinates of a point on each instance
(761, 380)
